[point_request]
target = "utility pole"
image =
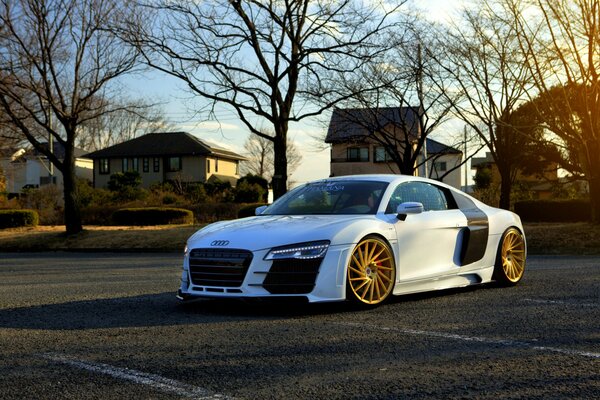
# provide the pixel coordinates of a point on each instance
(50, 147)
(465, 155)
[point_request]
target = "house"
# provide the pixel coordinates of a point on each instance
(166, 156)
(540, 185)
(356, 137)
(29, 168)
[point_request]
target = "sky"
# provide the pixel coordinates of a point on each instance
(179, 106)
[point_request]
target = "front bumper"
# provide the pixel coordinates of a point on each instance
(281, 278)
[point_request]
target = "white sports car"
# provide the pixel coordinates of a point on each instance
(360, 238)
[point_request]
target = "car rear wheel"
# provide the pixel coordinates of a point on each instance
(371, 272)
(510, 261)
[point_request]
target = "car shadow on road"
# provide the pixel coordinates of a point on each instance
(162, 309)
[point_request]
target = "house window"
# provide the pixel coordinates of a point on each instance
(104, 166)
(440, 166)
(146, 165)
(156, 164)
(216, 165)
(208, 166)
(237, 167)
(173, 164)
(130, 164)
(357, 154)
(380, 154)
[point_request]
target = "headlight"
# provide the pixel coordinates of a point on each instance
(302, 251)
(186, 251)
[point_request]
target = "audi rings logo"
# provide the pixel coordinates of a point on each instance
(219, 243)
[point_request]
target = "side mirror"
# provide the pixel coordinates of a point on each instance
(259, 210)
(409, 207)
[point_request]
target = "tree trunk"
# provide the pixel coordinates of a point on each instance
(505, 189)
(72, 206)
(594, 184)
(280, 168)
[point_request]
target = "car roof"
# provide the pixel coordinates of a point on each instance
(380, 178)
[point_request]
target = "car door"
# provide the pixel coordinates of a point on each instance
(428, 243)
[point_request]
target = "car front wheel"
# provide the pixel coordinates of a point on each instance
(371, 272)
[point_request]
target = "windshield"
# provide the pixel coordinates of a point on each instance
(330, 197)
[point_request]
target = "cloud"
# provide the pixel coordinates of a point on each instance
(209, 126)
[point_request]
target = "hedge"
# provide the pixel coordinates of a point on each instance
(554, 210)
(18, 218)
(212, 212)
(152, 216)
(249, 210)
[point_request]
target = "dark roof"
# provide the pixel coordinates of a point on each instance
(486, 161)
(435, 147)
(357, 123)
(163, 144)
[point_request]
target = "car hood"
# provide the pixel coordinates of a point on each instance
(262, 232)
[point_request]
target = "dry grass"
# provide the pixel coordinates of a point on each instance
(563, 238)
(117, 238)
(542, 238)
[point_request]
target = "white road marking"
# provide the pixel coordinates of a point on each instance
(142, 378)
(561, 302)
(479, 339)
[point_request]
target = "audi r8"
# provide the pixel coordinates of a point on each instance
(361, 238)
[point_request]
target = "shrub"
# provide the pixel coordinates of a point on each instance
(47, 201)
(125, 186)
(483, 178)
(152, 216)
(18, 218)
(98, 215)
(90, 196)
(258, 180)
(554, 210)
(211, 212)
(219, 191)
(169, 198)
(246, 192)
(249, 210)
(196, 193)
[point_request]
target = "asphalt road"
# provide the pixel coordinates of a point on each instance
(86, 326)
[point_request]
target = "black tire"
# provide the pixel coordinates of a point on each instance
(510, 259)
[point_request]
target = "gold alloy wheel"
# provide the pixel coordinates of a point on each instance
(513, 255)
(371, 272)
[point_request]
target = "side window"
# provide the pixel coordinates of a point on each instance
(463, 202)
(432, 198)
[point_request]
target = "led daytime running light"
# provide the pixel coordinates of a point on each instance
(302, 251)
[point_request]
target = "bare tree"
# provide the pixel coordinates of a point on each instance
(259, 152)
(268, 60)
(489, 69)
(562, 41)
(133, 118)
(56, 58)
(408, 99)
(403, 98)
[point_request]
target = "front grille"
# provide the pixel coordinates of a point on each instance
(292, 276)
(219, 267)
